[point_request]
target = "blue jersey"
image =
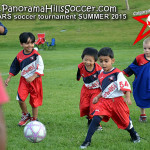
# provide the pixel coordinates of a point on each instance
(5, 29)
(141, 85)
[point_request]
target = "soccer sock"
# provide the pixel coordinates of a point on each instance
(93, 127)
(131, 130)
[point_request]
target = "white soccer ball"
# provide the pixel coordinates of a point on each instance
(34, 131)
(148, 20)
(36, 48)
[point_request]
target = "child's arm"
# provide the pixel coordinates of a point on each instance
(8, 79)
(128, 71)
(2, 131)
(127, 98)
(96, 99)
(78, 75)
(3, 29)
(39, 69)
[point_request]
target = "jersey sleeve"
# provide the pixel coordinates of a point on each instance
(5, 29)
(15, 67)
(123, 83)
(80, 66)
(78, 74)
(39, 66)
(128, 71)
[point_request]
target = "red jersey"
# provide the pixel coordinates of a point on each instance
(113, 83)
(90, 78)
(28, 64)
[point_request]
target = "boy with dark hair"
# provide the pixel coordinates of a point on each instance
(3, 29)
(31, 65)
(112, 105)
(89, 70)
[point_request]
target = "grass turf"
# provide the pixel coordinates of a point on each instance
(60, 111)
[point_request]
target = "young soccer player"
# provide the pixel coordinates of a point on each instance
(3, 29)
(89, 70)
(112, 105)
(141, 85)
(31, 65)
(3, 99)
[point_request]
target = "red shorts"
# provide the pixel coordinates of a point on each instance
(35, 90)
(116, 109)
(86, 99)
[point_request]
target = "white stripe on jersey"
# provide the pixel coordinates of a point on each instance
(36, 66)
(93, 85)
(117, 88)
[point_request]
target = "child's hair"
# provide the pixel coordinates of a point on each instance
(106, 51)
(91, 52)
(146, 41)
(24, 37)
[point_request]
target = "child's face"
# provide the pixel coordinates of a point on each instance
(28, 46)
(106, 63)
(146, 47)
(88, 61)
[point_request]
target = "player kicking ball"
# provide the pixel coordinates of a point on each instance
(112, 105)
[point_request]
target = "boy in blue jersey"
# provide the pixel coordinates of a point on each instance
(141, 85)
(112, 104)
(3, 29)
(31, 65)
(89, 71)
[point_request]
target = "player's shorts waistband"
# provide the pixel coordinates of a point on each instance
(113, 99)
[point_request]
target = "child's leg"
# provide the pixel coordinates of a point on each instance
(142, 110)
(23, 107)
(134, 135)
(25, 115)
(92, 128)
(84, 102)
(143, 117)
(35, 113)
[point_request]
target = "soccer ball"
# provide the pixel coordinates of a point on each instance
(148, 20)
(34, 131)
(36, 48)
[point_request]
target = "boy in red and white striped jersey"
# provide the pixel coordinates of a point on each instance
(30, 62)
(111, 105)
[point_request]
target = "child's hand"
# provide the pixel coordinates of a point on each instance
(127, 98)
(95, 100)
(30, 79)
(128, 101)
(6, 81)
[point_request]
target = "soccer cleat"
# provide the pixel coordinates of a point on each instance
(33, 119)
(99, 128)
(143, 118)
(24, 119)
(85, 145)
(136, 139)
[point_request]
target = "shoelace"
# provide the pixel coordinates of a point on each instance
(24, 117)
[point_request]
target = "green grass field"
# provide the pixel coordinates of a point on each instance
(60, 109)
